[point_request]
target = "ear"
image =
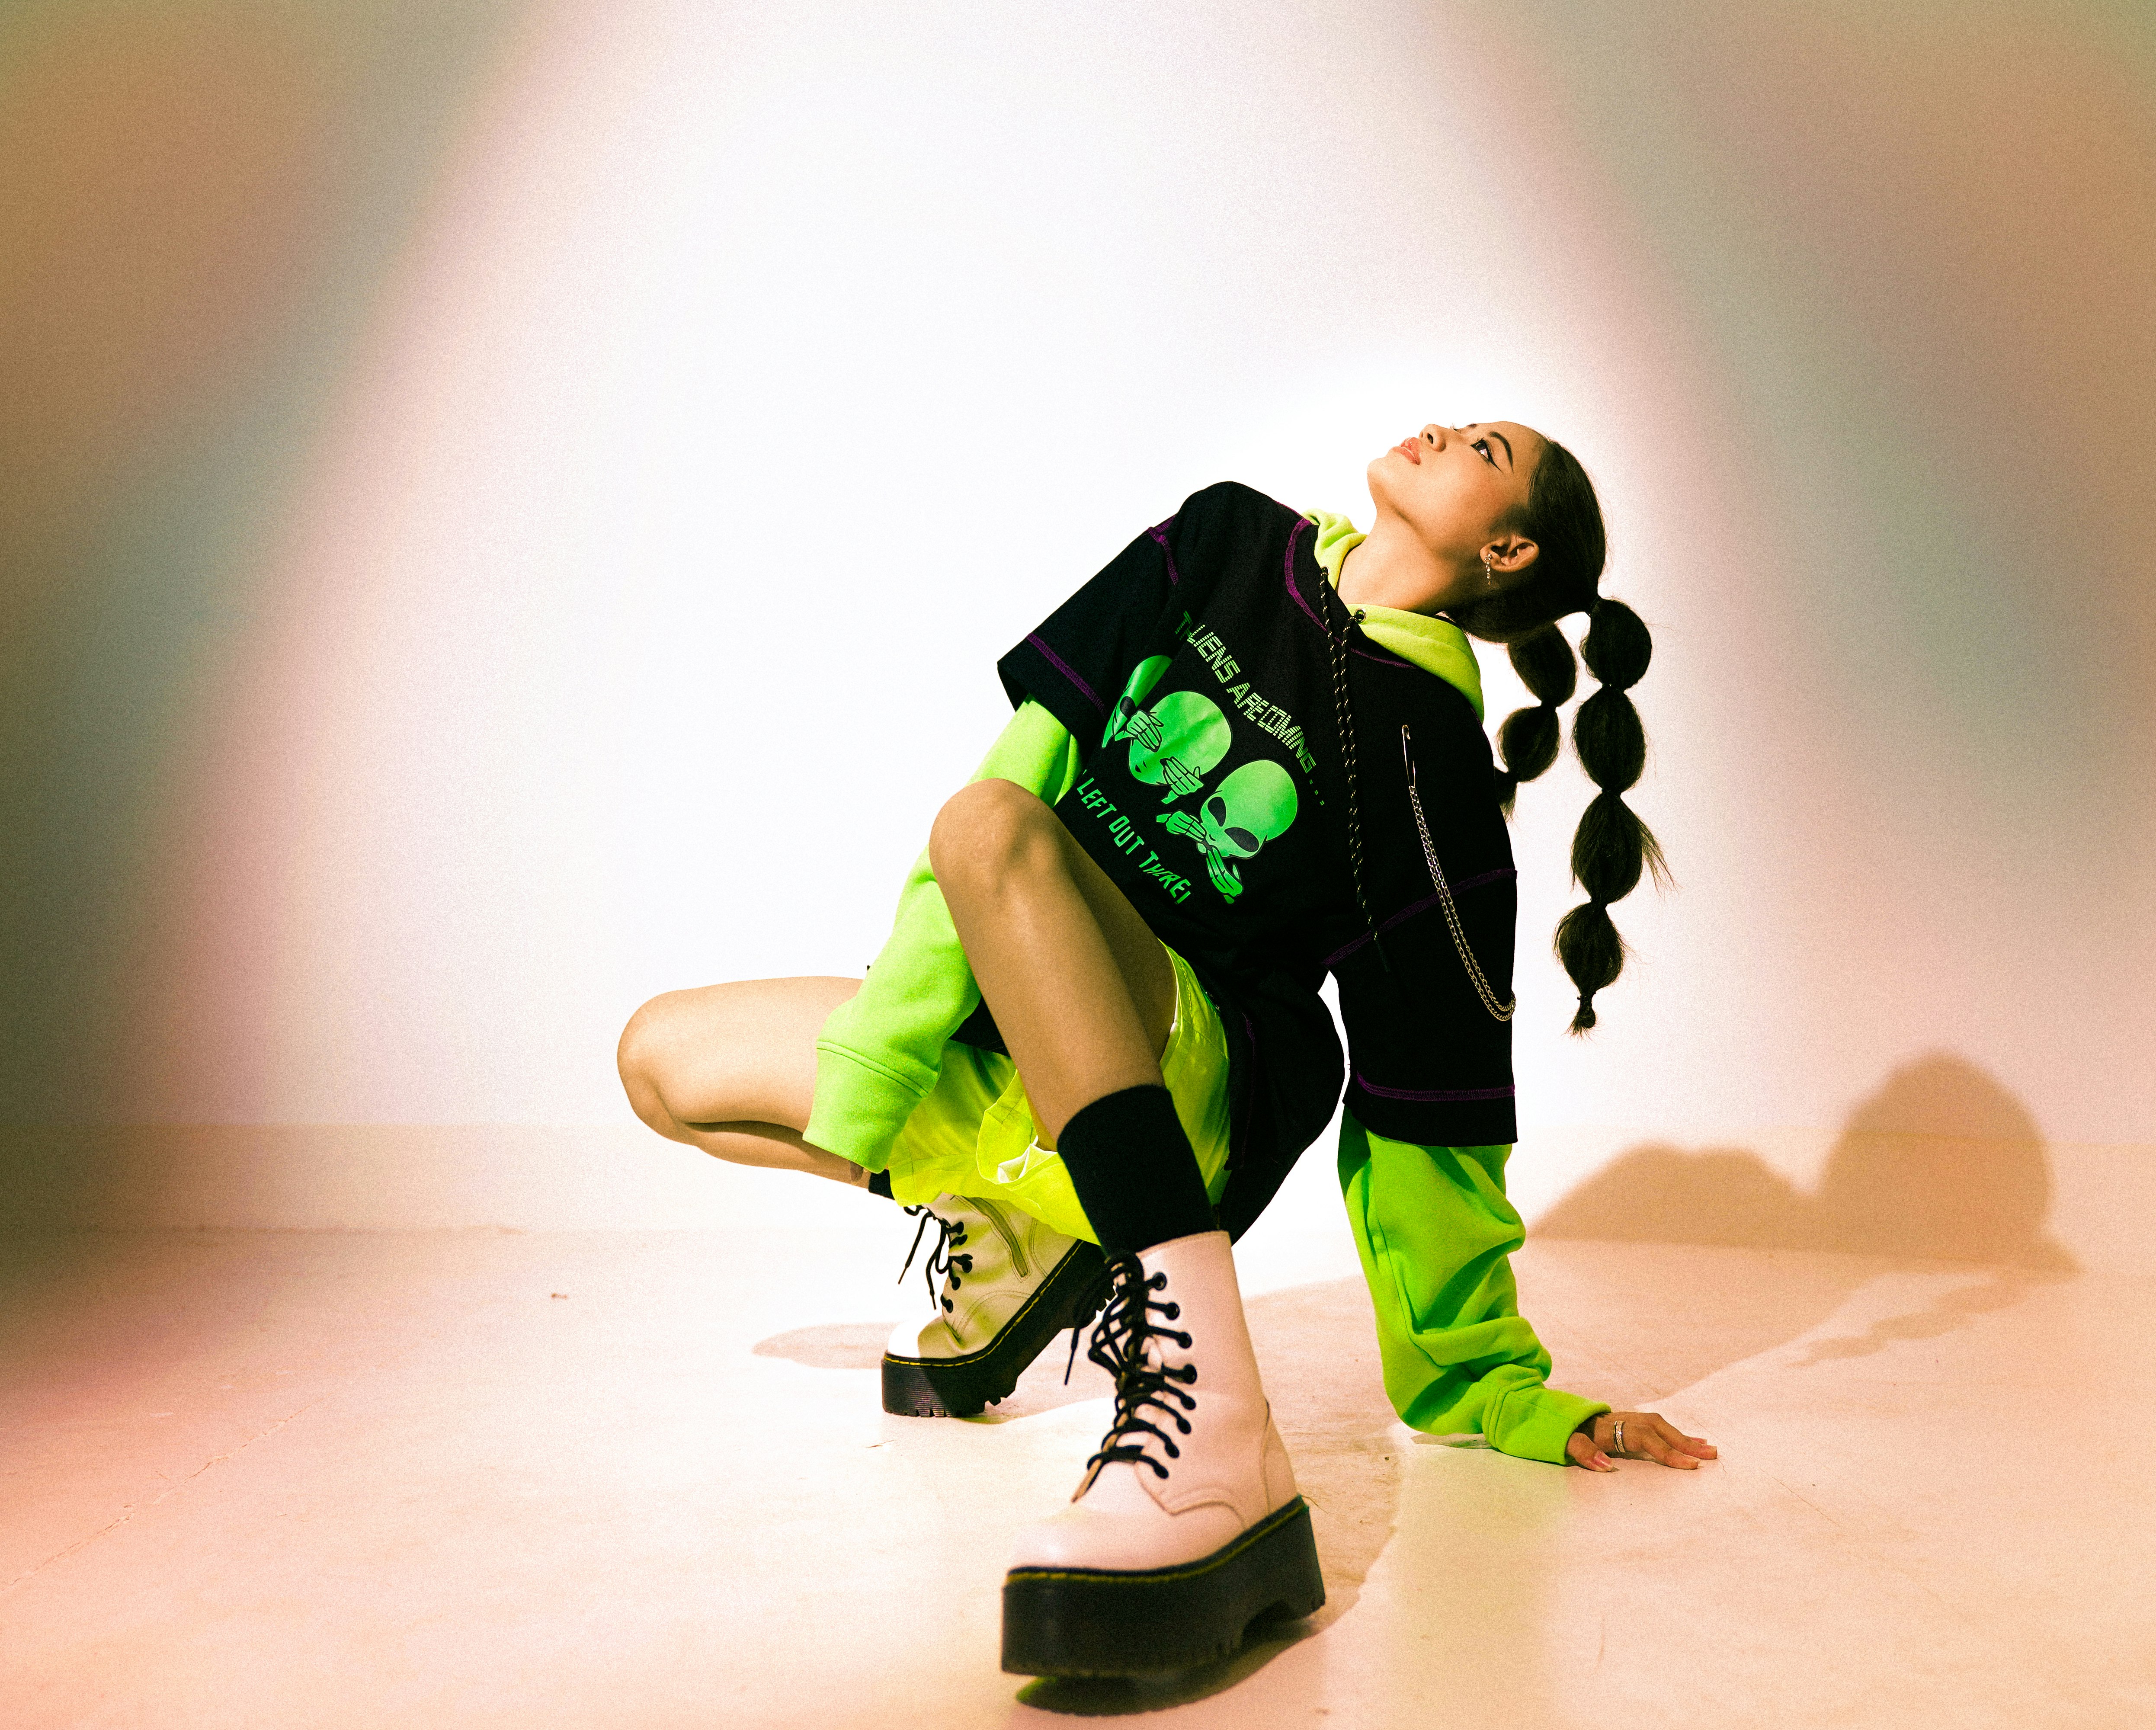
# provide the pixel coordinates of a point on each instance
(1510, 556)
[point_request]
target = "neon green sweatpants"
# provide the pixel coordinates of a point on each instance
(1435, 1231)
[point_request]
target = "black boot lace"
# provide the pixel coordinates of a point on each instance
(951, 1236)
(1119, 1346)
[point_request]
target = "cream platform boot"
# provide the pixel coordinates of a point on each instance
(1008, 1286)
(1187, 1526)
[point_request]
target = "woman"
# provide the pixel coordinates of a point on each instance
(1247, 754)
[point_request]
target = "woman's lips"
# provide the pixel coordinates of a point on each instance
(1407, 448)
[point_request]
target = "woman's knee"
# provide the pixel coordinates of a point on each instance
(741, 1052)
(639, 1058)
(988, 828)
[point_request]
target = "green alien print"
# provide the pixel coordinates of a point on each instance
(1143, 677)
(1177, 741)
(1255, 804)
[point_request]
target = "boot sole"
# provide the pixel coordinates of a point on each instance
(1089, 1621)
(1070, 1297)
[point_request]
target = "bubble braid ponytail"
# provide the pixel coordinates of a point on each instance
(1527, 741)
(1612, 846)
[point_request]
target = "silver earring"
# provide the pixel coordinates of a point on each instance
(1489, 568)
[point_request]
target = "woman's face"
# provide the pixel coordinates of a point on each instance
(1456, 487)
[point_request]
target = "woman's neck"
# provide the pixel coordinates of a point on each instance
(1391, 567)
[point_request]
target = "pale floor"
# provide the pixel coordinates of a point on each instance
(615, 1479)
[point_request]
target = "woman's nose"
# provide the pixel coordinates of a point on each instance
(1434, 436)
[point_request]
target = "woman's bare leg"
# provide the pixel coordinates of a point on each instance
(1080, 989)
(731, 1068)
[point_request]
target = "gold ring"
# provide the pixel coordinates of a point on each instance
(1618, 1445)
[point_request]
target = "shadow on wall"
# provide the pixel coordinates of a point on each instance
(1942, 1162)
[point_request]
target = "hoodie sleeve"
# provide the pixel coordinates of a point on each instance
(1435, 1232)
(879, 1053)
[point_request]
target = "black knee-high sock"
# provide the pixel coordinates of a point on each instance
(1134, 1171)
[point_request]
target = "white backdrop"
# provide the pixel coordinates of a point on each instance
(761, 373)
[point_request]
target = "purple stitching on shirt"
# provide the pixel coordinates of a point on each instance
(1160, 534)
(1294, 536)
(1063, 667)
(1413, 908)
(1448, 1095)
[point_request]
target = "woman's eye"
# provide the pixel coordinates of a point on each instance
(1483, 445)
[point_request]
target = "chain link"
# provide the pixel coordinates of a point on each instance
(1343, 718)
(1501, 1012)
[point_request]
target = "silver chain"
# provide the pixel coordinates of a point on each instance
(1502, 1012)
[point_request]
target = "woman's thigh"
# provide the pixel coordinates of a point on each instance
(742, 1052)
(993, 837)
(1147, 973)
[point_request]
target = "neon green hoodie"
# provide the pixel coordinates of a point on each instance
(1432, 1227)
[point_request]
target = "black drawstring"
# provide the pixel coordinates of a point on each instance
(939, 1260)
(1343, 722)
(1119, 1346)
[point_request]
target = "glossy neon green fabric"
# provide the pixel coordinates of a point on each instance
(975, 1134)
(1435, 1232)
(879, 1053)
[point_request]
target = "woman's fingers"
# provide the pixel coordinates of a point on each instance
(1698, 1446)
(1580, 1448)
(1643, 1435)
(1658, 1441)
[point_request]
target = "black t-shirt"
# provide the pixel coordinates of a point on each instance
(1196, 674)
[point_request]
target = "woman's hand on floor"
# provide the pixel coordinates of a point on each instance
(1647, 1436)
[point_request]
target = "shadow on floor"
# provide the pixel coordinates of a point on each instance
(839, 1345)
(1942, 1165)
(859, 1345)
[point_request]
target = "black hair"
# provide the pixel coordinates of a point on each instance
(1612, 846)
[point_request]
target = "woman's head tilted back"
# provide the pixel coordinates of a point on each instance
(1513, 540)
